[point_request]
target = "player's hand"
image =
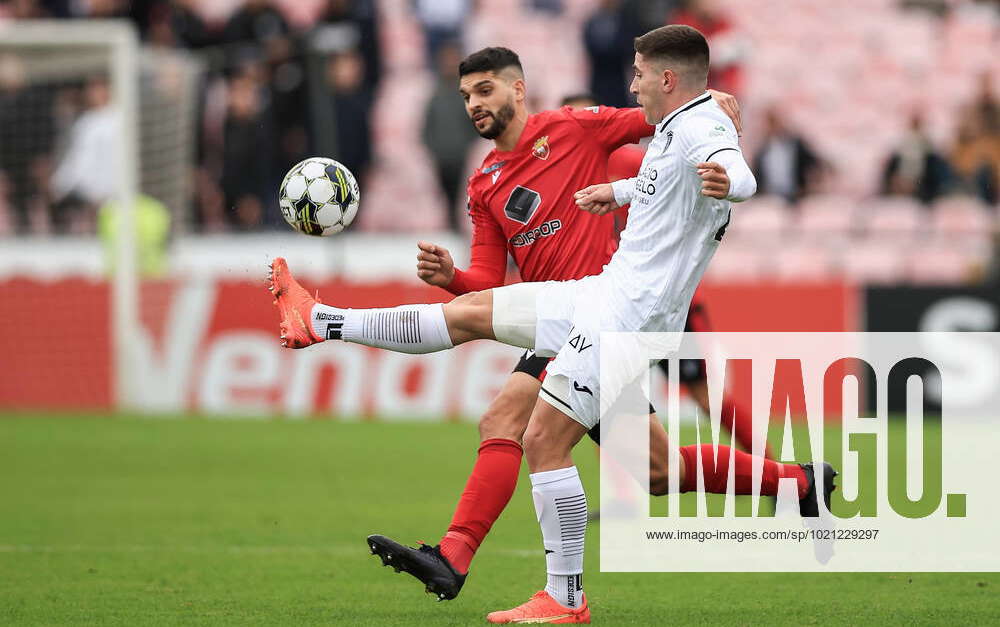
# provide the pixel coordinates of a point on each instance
(596, 199)
(728, 103)
(714, 180)
(434, 264)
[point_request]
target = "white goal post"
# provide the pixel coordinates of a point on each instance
(118, 40)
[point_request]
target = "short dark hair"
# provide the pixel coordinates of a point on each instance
(587, 96)
(680, 45)
(490, 60)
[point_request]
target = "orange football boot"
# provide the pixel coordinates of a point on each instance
(542, 608)
(295, 305)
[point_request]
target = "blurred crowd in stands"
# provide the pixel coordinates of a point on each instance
(276, 89)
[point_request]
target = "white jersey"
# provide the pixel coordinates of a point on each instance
(672, 233)
(673, 230)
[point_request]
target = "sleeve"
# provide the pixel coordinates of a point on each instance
(488, 257)
(611, 127)
(704, 138)
(622, 190)
(742, 184)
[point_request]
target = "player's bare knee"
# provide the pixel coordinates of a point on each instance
(534, 441)
(502, 421)
(470, 316)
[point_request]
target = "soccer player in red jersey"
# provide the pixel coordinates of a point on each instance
(521, 203)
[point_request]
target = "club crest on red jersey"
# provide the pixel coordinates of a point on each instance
(541, 148)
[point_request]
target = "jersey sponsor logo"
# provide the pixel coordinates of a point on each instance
(541, 148)
(644, 183)
(495, 166)
(521, 204)
(529, 237)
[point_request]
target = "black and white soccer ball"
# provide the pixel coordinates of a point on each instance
(319, 196)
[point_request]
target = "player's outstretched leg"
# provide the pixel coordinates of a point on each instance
(809, 504)
(489, 487)
(404, 329)
(425, 563)
(295, 306)
(715, 460)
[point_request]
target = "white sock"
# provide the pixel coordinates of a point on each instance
(561, 507)
(405, 329)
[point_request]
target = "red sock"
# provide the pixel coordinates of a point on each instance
(487, 492)
(717, 475)
(738, 419)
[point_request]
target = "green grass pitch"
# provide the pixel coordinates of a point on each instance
(144, 522)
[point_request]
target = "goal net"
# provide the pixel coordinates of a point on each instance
(96, 152)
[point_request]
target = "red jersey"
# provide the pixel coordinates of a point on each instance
(521, 201)
(624, 163)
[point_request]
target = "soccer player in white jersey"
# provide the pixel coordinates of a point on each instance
(680, 208)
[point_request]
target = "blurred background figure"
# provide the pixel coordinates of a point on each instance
(727, 43)
(785, 164)
(152, 231)
(258, 21)
(86, 174)
(355, 24)
(915, 168)
(27, 139)
(448, 133)
(976, 155)
(351, 102)
(248, 141)
(607, 37)
(180, 24)
(442, 22)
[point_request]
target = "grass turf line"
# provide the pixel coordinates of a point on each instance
(125, 521)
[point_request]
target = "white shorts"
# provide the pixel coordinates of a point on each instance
(558, 319)
(565, 319)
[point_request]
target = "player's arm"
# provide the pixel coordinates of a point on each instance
(713, 150)
(730, 106)
(613, 128)
(487, 265)
(605, 197)
(727, 177)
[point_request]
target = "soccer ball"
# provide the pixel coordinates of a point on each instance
(319, 196)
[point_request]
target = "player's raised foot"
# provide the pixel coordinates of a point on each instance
(809, 504)
(425, 563)
(295, 305)
(542, 608)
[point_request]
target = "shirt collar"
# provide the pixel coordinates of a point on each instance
(690, 104)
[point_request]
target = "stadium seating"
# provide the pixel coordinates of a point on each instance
(799, 262)
(827, 219)
(940, 264)
(874, 262)
(883, 54)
